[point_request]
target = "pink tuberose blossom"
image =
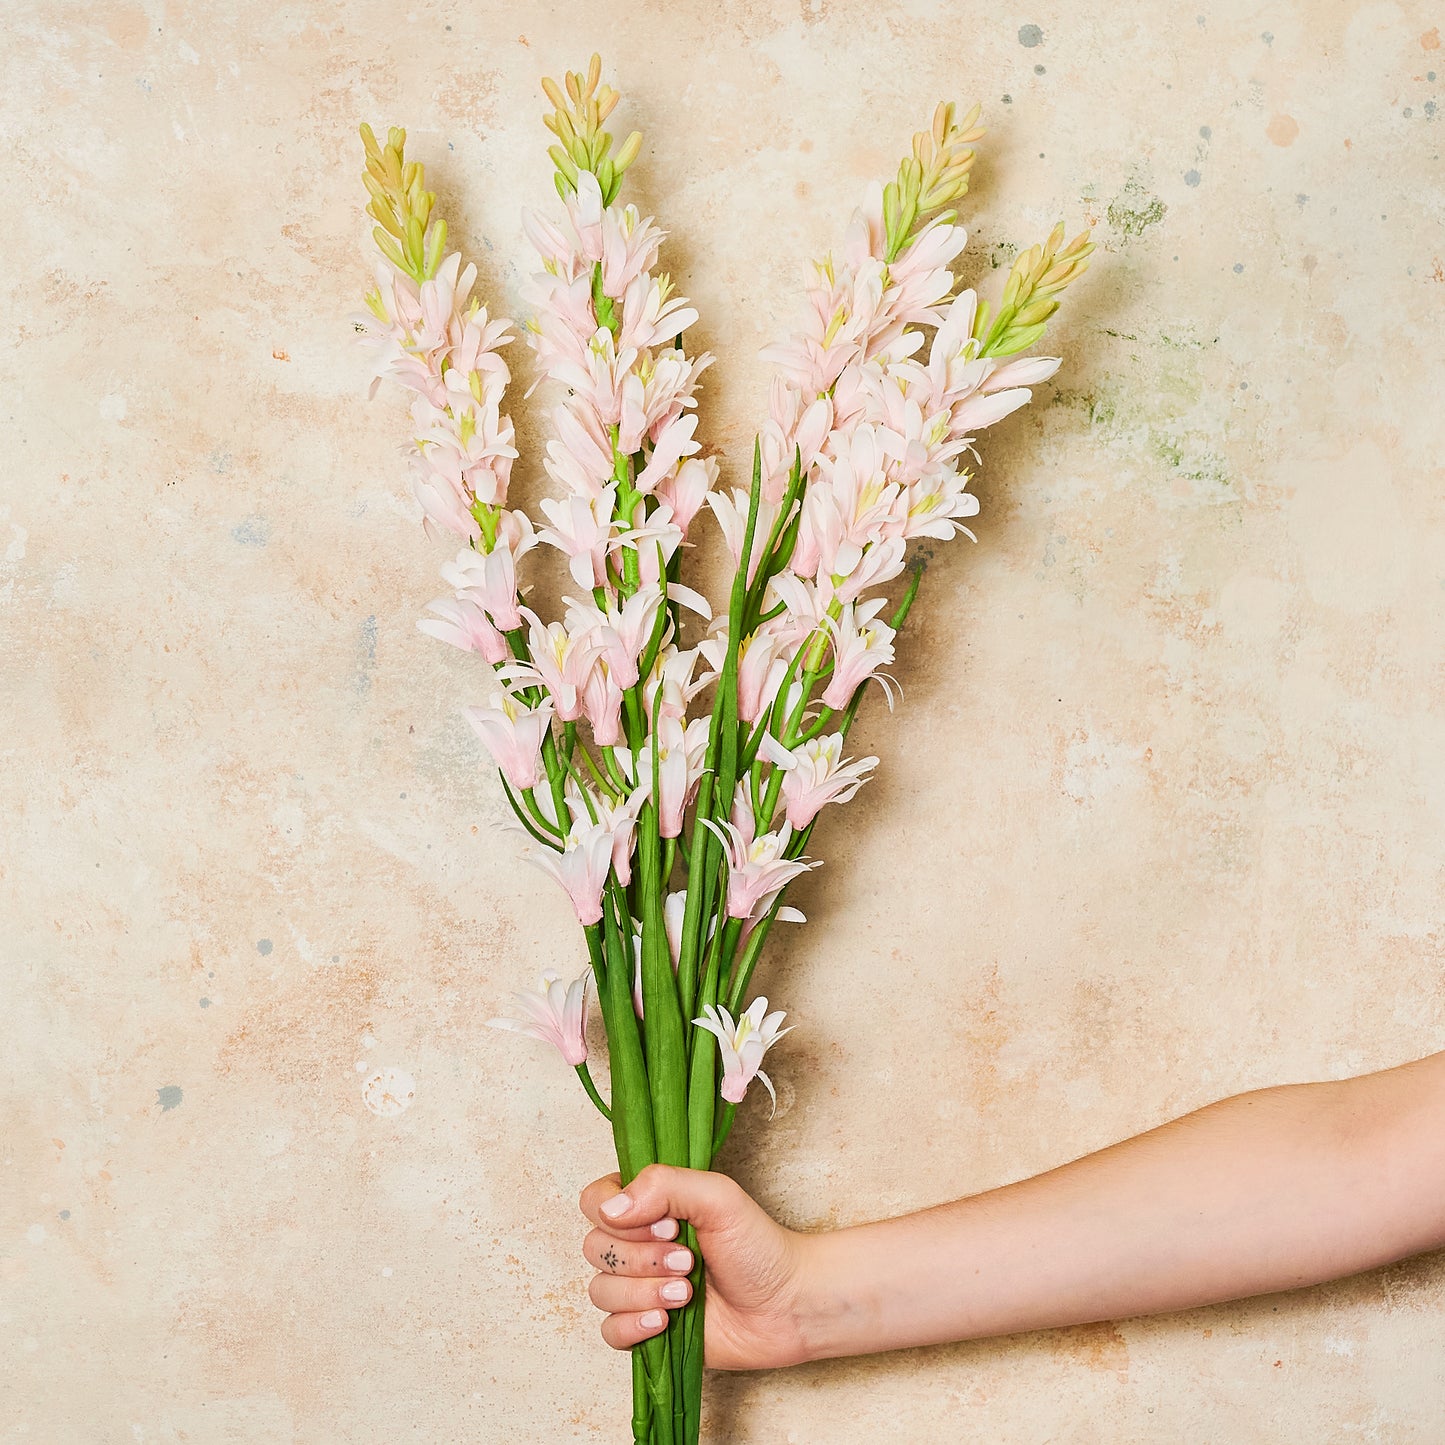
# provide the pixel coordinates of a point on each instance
(815, 775)
(580, 457)
(620, 820)
(462, 623)
(442, 346)
(581, 867)
(602, 704)
(757, 869)
(670, 686)
(687, 488)
(743, 1044)
(622, 631)
(732, 517)
(554, 1014)
(561, 662)
(675, 443)
(490, 579)
(861, 645)
(513, 734)
(762, 665)
(681, 754)
(582, 530)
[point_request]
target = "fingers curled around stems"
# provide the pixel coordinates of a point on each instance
(615, 1295)
(640, 1259)
(624, 1331)
(596, 1192)
(660, 1195)
(607, 1188)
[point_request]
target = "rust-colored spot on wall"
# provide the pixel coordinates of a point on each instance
(307, 1034)
(128, 26)
(1282, 129)
(1097, 1347)
(1430, 40)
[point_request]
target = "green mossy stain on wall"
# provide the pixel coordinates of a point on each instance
(1161, 420)
(1134, 210)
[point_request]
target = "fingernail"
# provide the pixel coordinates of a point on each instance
(677, 1259)
(653, 1320)
(618, 1204)
(665, 1229)
(674, 1289)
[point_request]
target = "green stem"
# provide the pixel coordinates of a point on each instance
(641, 1401)
(724, 1127)
(603, 783)
(694, 1314)
(585, 1075)
(631, 1100)
(615, 772)
(769, 564)
(720, 775)
(556, 776)
(819, 726)
(661, 1008)
(522, 817)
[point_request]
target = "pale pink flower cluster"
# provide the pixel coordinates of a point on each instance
(878, 398)
(631, 401)
(878, 415)
(625, 455)
(438, 341)
(758, 869)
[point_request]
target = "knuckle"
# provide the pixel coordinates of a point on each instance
(726, 1184)
(648, 1177)
(595, 1287)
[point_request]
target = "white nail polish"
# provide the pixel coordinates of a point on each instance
(675, 1291)
(653, 1320)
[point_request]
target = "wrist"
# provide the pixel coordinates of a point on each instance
(833, 1314)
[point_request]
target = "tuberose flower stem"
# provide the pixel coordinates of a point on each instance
(586, 1077)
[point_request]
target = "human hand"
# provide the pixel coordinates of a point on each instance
(753, 1309)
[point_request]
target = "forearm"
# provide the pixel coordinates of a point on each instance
(1265, 1191)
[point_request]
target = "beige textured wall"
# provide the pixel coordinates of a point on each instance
(1162, 816)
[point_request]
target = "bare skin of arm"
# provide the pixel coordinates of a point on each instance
(1265, 1191)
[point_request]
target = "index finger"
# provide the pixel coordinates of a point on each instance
(605, 1188)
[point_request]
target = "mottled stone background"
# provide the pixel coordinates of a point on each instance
(1162, 815)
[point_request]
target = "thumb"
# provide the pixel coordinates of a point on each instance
(707, 1200)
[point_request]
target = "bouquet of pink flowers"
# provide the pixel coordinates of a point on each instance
(674, 829)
